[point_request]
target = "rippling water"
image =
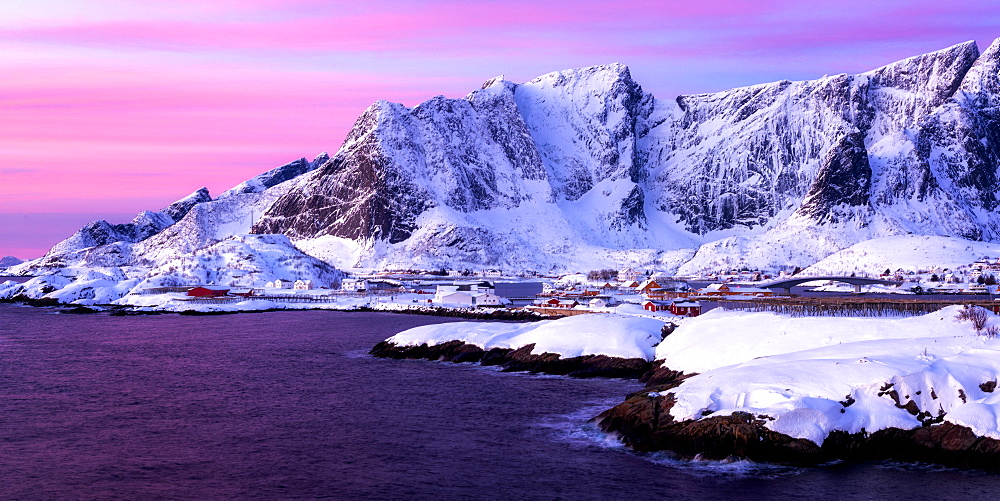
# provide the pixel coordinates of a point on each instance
(287, 405)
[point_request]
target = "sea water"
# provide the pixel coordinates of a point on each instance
(289, 405)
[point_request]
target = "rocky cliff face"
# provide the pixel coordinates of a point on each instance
(550, 140)
(908, 147)
(582, 168)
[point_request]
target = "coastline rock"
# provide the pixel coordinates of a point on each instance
(643, 422)
(520, 360)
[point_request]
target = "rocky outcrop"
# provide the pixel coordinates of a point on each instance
(519, 360)
(643, 422)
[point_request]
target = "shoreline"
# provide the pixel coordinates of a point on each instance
(498, 314)
(521, 360)
(643, 423)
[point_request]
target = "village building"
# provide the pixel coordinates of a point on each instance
(655, 305)
(750, 291)
(487, 299)
(629, 286)
(685, 308)
(557, 303)
(679, 307)
(647, 286)
(456, 298)
(354, 285)
(598, 303)
(629, 275)
(517, 289)
(303, 285)
(715, 290)
(452, 295)
(277, 284)
(207, 291)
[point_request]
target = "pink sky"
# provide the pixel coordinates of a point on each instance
(109, 107)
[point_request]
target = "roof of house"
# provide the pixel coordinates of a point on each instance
(656, 302)
(687, 304)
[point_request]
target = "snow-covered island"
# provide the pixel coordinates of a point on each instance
(578, 346)
(808, 390)
(764, 386)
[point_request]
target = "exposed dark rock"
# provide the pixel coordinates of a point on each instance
(844, 179)
(520, 359)
(643, 423)
(40, 302)
(988, 386)
(658, 376)
(79, 310)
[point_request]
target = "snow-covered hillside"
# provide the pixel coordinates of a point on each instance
(582, 169)
(209, 243)
(810, 376)
(906, 252)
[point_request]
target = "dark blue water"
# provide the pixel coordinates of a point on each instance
(286, 405)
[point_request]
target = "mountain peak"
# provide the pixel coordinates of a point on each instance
(497, 80)
(984, 76)
(180, 208)
(606, 74)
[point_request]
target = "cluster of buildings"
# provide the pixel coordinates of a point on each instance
(653, 294)
(299, 285)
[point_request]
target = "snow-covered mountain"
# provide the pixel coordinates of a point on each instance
(8, 261)
(581, 169)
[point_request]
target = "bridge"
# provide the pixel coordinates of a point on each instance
(784, 286)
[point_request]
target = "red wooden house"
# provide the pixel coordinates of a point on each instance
(651, 305)
(207, 291)
(685, 308)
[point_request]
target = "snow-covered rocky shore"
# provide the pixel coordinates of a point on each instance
(763, 386)
(579, 346)
(807, 390)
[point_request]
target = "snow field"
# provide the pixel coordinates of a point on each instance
(611, 335)
(810, 376)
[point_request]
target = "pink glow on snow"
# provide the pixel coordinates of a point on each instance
(113, 106)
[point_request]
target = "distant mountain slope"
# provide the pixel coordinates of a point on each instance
(581, 169)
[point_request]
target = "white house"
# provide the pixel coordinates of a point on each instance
(303, 285)
(451, 294)
(628, 275)
(486, 299)
(458, 298)
(354, 285)
(277, 284)
(598, 303)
